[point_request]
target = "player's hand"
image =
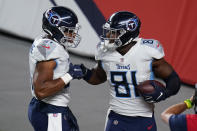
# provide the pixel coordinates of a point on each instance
(84, 69)
(158, 95)
(86, 72)
(75, 71)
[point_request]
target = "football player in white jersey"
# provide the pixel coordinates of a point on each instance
(51, 71)
(125, 60)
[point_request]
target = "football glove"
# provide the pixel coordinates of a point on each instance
(158, 95)
(75, 71)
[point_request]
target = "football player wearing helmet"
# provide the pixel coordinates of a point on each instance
(51, 71)
(125, 60)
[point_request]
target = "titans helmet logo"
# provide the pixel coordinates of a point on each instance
(53, 18)
(132, 24)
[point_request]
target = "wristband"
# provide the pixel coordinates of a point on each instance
(189, 104)
(66, 78)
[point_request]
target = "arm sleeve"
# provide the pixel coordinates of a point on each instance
(178, 122)
(173, 84)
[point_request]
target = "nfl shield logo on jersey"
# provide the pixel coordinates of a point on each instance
(121, 59)
(55, 114)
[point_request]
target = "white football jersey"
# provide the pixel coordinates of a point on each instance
(125, 72)
(44, 49)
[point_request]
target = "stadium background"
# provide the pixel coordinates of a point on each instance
(170, 22)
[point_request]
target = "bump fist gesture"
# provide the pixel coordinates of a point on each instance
(75, 71)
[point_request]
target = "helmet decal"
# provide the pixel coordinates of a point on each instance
(53, 18)
(132, 24)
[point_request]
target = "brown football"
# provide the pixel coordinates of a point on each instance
(146, 88)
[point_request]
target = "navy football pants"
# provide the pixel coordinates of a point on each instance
(118, 122)
(46, 117)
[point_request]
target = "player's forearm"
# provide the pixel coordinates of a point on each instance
(48, 88)
(173, 84)
(93, 81)
(176, 109)
(165, 71)
(173, 110)
(93, 78)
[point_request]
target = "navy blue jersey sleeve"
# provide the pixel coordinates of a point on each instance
(178, 122)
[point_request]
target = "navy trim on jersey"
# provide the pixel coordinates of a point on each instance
(178, 122)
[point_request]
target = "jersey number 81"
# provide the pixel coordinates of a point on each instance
(124, 83)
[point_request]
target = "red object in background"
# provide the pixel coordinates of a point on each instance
(172, 22)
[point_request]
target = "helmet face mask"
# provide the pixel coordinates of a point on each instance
(61, 24)
(111, 36)
(121, 28)
(71, 37)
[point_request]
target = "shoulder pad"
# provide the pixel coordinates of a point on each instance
(46, 47)
(152, 43)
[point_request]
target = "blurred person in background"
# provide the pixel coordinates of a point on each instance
(51, 71)
(182, 122)
(125, 60)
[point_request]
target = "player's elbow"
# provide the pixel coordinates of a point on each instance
(165, 117)
(40, 95)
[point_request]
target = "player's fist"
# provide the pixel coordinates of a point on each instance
(75, 71)
(152, 91)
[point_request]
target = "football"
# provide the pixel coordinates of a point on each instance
(146, 87)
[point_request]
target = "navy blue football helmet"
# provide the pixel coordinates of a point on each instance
(120, 29)
(62, 25)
